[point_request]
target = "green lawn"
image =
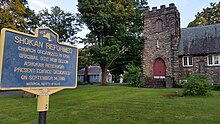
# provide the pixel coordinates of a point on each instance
(114, 105)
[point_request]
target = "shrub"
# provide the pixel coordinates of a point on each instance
(82, 83)
(216, 87)
(177, 85)
(132, 75)
(196, 85)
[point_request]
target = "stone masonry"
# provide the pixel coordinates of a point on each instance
(163, 44)
(200, 66)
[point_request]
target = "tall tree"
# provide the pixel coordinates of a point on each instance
(17, 15)
(12, 14)
(209, 15)
(136, 40)
(32, 20)
(64, 23)
(109, 22)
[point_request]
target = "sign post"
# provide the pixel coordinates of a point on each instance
(38, 64)
(42, 108)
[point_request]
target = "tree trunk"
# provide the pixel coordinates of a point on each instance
(104, 74)
(86, 79)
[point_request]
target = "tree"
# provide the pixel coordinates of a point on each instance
(132, 75)
(109, 23)
(12, 14)
(209, 15)
(64, 23)
(84, 60)
(17, 15)
(32, 20)
(136, 41)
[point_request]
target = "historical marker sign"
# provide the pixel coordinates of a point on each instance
(36, 61)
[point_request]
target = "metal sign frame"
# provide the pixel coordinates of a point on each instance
(34, 90)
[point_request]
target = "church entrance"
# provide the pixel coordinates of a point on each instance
(159, 68)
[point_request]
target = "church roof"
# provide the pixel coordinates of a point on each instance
(200, 40)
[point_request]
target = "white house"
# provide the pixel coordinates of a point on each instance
(94, 74)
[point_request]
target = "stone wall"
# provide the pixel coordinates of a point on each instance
(200, 66)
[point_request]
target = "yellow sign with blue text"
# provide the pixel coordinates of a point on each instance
(37, 63)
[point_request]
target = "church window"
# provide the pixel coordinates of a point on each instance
(159, 25)
(213, 60)
(190, 61)
(157, 44)
(216, 60)
(187, 61)
(210, 62)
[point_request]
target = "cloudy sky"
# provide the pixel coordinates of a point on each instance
(187, 8)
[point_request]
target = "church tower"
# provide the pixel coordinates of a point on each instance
(160, 53)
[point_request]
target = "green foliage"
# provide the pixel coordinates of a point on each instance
(132, 75)
(64, 23)
(177, 85)
(17, 15)
(82, 83)
(112, 29)
(12, 13)
(84, 58)
(216, 87)
(134, 42)
(32, 20)
(209, 15)
(196, 85)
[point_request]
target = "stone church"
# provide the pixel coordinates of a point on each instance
(171, 54)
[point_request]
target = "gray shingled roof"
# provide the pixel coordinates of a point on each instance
(92, 70)
(200, 40)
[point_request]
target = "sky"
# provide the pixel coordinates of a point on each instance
(187, 8)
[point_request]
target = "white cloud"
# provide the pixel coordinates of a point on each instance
(31, 7)
(40, 4)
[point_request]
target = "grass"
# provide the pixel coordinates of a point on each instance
(114, 104)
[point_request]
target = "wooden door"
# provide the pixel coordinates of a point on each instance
(159, 68)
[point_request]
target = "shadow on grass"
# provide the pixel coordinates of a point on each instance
(172, 95)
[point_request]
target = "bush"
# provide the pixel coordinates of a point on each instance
(177, 85)
(132, 75)
(216, 87)
(82, 83)
(196, 85)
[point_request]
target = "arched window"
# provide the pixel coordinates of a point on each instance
(159, 25)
